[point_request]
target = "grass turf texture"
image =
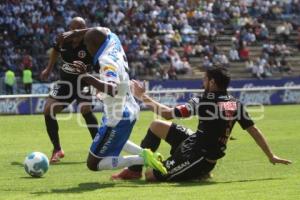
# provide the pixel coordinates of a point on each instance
(244, 173)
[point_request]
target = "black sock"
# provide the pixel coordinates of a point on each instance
(92, 123)
(52, 130)
(150, 141)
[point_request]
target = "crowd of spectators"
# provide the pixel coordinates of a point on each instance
(153, 32)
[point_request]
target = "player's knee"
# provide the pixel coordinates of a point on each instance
(154, 126)
(52, 107)
(50, 110)
(92, 163)
(160, 128)
(47, 110)
(92, 166)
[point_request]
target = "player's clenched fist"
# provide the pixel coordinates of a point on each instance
(138, 89)
(80, 67)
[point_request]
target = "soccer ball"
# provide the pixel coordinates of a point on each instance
(36, 164)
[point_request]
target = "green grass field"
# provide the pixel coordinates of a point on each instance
(244, 173)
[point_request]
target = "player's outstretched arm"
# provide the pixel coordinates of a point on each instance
(101, 86)
(70, 35)
(138, 89)
(262, 143)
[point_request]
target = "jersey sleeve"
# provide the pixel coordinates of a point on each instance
(188, 109)
(56, 47)
(244, 119)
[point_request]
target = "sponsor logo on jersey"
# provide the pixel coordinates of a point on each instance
(115, 162)
(110, 74)
(108, 142)
(69, 69)
(110, 68)
(170, 163)
(81, 54)
(117, 49)
(228, 105)
(180, 167)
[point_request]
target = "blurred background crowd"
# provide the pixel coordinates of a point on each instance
(163, 39)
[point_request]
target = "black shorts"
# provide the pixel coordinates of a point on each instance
(67, 91)
(187, 160)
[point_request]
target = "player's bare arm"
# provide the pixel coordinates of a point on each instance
(138, 89)
(70, 35)
(262, 143)
(102, 86)
(52, 59)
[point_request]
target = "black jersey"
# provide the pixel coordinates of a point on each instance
(217, 114)
(70, 54)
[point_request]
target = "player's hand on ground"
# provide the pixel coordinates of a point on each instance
(138, 89)
(80, 67)
(275, 159)
(45, 74)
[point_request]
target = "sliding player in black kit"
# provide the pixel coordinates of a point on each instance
(195, 154)
(68, 88)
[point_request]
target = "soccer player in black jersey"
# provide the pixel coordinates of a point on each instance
(69, 87)
(195, 154)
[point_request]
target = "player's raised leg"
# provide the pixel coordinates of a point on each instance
(107, 145)
(158, 130)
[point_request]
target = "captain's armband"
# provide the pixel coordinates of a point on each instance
(182, 111)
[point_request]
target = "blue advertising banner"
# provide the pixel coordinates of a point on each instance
(270, 97)
(35, 105)
(41, 88)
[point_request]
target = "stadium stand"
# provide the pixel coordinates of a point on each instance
(174, 39)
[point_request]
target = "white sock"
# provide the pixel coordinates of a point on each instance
(132, 148)
(112, 162)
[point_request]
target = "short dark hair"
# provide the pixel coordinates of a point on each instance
(220, 75)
